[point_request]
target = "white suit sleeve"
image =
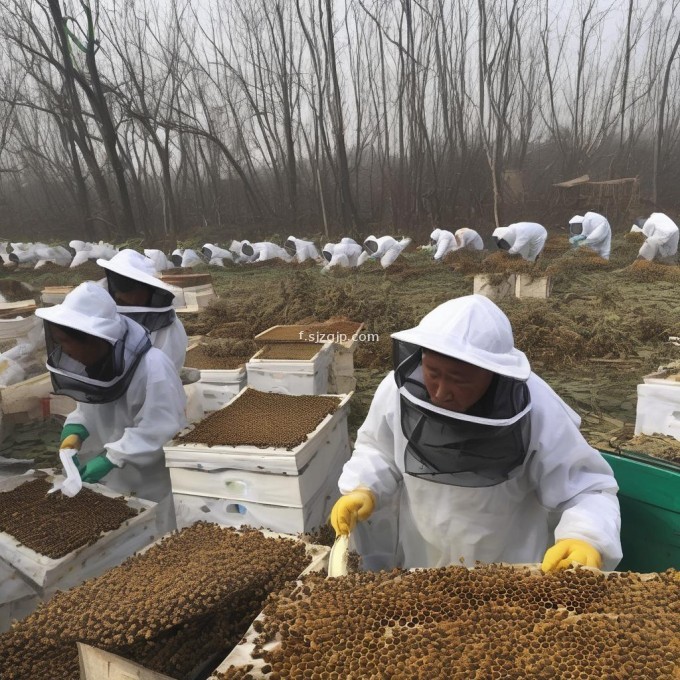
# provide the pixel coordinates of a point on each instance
(362, 258)
(373, 464)
(443, 246)
(522, 239)
(172, 341)
(574, 480)
(160, 416)
(598, 234)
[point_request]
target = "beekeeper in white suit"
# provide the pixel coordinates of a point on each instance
(343, 254)
(445, 242)
(301, 250)
(386, 249)
(478, 450)
(141, 296)
(661, 241)
(522, 238)
(130, 398)
(592, 231)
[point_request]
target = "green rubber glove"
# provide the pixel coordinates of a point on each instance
(96, 468)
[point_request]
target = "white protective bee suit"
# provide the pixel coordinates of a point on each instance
(82, 251)
(662, 238)
(445, 242)
(524, 238)
(133, 428)
(160, 261)
(592, 231)
(386, 249)
(301, 250)
(166, 330)
(343, 254)
(477, 513)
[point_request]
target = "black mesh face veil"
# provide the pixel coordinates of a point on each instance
(371, 247)
(176, 259)
(290, 247)
(159, 298)
(460, 449)
(327, 255)
(575, 228)
(502, 244)
(247, 250)
(100, 383)
(207, 252)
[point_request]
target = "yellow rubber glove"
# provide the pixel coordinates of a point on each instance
(356, 505)
(73, 441)
(569, 550)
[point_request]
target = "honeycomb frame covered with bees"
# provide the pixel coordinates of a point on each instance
(504, 622)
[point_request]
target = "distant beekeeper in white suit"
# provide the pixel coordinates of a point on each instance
(160, 261)
(445, 242)
(216, 255)
(661, 241)
(386, 249)
(301, 250)
(522, 238)
(592, 231)
(343, 254)
(185, 257)
(478, 451)
(130, 398)
(141, 296)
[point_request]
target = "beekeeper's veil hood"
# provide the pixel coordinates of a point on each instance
(130, 270)
(434, 237)
(327, 251)
(576, 225)
(482, 446)
(504, 238)
(91, 311)
(291, 245)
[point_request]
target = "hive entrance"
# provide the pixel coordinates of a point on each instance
(491, 622)
(55, 525)
(263, 419)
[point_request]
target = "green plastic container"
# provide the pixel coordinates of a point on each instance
(649, 495)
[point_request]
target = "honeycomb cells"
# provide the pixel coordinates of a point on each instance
(290, 350)
(185, 600)
(55, 525)
(490, 622)
(263, 419)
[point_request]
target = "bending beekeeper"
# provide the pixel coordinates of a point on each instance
(141, 296)
(592, 231)
(661, 241)
(466, 453)
(446, 242)
(522, 238)
(130, 398)
(343, 254)
(386, 249)
(301, 250)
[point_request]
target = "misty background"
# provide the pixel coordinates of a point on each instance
(166, 119)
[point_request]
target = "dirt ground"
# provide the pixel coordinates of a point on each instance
(605, 325)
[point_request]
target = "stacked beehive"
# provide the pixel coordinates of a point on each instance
(264, 460)
(221, 377)
(491, 622)
(54, 542)
(192, 291)
(290, 369)
(171, 609)
(658, 403)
